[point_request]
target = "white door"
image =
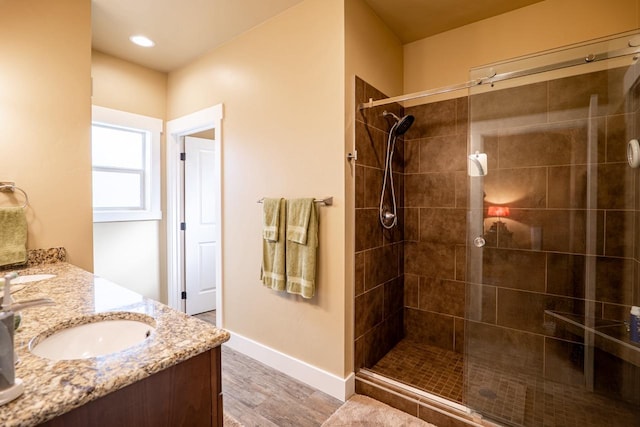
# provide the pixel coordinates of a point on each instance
(201, 242)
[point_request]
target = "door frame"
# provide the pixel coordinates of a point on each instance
(206, 119)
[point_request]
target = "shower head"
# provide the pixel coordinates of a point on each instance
(402, 123)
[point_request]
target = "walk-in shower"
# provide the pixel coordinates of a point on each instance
(504, 288)
(389, 210)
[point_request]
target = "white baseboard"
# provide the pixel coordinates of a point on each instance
(340, 388)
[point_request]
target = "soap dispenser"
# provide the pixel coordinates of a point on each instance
(10, 386)
(634, 324)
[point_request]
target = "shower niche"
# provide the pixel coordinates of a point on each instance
(505, 293)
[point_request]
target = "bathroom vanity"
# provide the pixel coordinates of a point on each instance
(171, 377)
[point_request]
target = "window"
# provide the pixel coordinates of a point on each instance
(125, 151)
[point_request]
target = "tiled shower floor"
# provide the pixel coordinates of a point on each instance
(510, 397)
(428, 368)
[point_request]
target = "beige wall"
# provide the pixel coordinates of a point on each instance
(121, 85)
(446, 58)
(374, 53)
(45, 108)
(282, 86)
(131, 254)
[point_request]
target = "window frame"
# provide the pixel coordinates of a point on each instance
(151, 209)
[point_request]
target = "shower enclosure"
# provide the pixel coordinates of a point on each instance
(506, 286)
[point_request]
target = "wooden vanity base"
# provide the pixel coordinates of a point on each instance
(187, 394)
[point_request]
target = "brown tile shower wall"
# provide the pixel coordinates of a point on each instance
(435, 223)
(379, 253)
(536, 137)
(558, 236)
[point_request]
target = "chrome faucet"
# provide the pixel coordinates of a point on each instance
(8, 385)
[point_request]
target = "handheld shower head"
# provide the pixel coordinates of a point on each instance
(402, 123)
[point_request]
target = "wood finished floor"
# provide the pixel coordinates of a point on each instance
(257, 395)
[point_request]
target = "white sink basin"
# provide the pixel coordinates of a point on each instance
(94, 337)
(31, 278)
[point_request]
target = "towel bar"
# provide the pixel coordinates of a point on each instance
(10, 187)
(327, 201)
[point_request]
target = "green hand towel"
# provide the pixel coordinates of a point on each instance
(13, 236)
(272, 272)
(270, 219)
(302, 244)
(298, 215)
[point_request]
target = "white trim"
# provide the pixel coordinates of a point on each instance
(209, 118)
(340, 388)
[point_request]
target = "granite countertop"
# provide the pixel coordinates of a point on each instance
(55, 387)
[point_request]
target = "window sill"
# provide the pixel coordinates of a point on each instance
(120, 216)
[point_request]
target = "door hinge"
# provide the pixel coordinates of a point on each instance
(183, 295)
(183, 156)
(183, 226)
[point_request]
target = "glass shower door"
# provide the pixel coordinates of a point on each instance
(553, 252)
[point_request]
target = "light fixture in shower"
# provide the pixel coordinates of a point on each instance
(498, 233)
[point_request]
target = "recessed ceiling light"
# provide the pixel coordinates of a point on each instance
(142, 41)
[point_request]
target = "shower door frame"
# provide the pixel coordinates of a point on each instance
(614, 53)
(489, 76)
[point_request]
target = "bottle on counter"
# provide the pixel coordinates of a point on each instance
(634, 324)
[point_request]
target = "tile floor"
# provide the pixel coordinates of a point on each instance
(514, 398)
(257, 395)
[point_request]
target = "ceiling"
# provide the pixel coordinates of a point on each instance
(186, 29)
